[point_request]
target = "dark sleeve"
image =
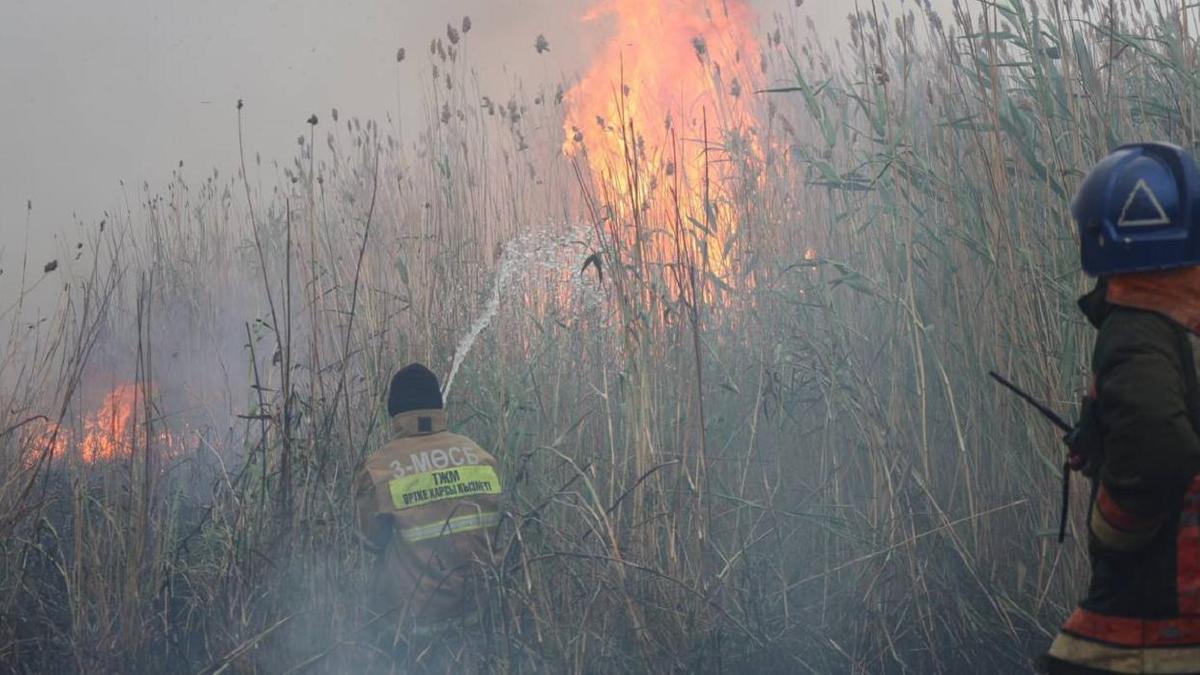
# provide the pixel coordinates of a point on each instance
(1151, 449)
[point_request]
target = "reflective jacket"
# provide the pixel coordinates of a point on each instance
(1142, 610)
(428, 504)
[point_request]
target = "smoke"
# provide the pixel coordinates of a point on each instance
(110, 99)
(212, 345)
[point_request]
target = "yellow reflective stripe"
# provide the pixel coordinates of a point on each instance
(433, 486)
(445, 528)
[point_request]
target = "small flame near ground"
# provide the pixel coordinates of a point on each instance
(676, 71)
(114, 429)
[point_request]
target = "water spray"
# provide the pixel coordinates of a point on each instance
(541, 248)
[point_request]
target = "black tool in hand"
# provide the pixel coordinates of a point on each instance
(1068, 429)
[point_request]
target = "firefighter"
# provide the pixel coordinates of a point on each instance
(427, 505)
(1138, 214)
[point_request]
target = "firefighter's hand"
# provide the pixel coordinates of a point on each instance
(379, 532)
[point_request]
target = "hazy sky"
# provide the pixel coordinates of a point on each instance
(95, 92)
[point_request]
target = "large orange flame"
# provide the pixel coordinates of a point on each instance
(677, 73)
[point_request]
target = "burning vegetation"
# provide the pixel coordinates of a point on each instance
(664, 121)
(742, 427)
(114, 429)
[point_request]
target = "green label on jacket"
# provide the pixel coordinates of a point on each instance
(434, 486)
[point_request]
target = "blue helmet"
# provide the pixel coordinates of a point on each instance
(1137, 210)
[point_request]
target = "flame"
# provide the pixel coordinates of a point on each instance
(675, 75)
(109, 433)
(113, 430)
(42, 437)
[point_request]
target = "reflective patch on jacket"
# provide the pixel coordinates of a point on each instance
(1124, 644)
(414, 490)
(1102, 656)
(1117, 528)
(456, 525)
(1142, 610)
(438, 495)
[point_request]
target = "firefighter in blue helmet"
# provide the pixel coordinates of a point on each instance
(1138, 214)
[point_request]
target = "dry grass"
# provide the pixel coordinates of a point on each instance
(806, 473)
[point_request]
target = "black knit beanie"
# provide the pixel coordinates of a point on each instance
(414, 387)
